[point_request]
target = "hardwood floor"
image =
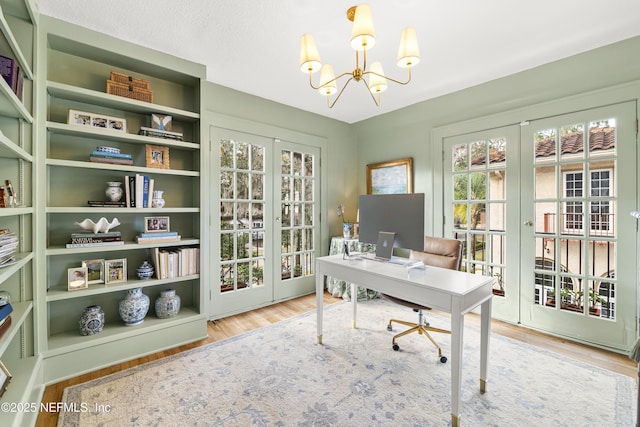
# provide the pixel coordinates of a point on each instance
(234, 325)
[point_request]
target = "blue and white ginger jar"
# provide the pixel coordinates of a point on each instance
(167, 304)
(134, 307)
(91, 320)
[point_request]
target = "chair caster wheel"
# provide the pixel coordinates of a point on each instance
(396, 347)
(389, 328)
(443, 359)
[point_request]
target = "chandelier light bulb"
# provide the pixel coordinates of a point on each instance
(327, 82)
(309, 55)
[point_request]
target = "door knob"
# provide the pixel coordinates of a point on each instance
(528, 223)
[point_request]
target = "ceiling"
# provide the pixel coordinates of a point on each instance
(253, 45)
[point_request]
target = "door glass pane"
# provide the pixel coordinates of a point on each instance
(584, 235)
(479, 206)
(297, 206)
(241, 215)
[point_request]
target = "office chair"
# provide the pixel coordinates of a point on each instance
(438, 252)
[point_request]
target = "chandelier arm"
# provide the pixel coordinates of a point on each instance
(389, 78)
(339, 93)
(326, 83)
(377, 102)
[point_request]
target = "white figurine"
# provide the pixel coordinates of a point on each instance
(102, 226)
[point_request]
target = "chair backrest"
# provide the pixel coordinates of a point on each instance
(440, 252)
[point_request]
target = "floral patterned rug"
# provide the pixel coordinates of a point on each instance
(279, 376)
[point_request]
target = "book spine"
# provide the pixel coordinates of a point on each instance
(132, 190)
(9, 71)
(98, 153)
(151, 185)
(145, 191)
(112, 161)
(108, 234)
(5, 310)
(127, 192)
(77, 240)
(139, 190)
(149, 241)
(91, 245)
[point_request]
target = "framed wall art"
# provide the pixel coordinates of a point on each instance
(392, 177)
(77, 278)
(115, 270)
(95, 271)
(157, 156)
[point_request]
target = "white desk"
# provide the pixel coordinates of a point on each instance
(451, 291)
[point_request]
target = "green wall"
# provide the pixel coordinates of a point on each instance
(407, 132)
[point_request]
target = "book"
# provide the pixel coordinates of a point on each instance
(167, 239)
(146, 131)
(9, 70)
(106, 203)
(159, 234)
(110, 160)
(4, 325)
(99, 153)
(76, 240)
(89, 234)
(127, 192)
(91, 245)
(5, 310)
(139, 186)
(132, 191)
(145, 191)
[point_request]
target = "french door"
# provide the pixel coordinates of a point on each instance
(544, 207)
(264, 194)
(579, 256)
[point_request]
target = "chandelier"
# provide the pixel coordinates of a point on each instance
(363, 38)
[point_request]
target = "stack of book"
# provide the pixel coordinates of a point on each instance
(138, 191)
(110, 155)
(145, 131)
(5, 318)
(158, 237)
(8, 246)
(88, 240)
(12, 74)
(177, 262)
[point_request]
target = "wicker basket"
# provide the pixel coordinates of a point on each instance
(129, 91)
(129, 81)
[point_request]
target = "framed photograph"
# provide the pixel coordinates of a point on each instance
(82, 118)
(157, 157)
(156, 224)
(95, 271)
(393, 177)
(77, 278)
(160, 122)
(5, 377)
(115, 270)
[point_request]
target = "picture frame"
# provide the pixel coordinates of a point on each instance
(5, 378)
(115, 270)
(157, 156)
(77, 278)
(95, 271)
(83, 118)
(391, 177)
(156, 224)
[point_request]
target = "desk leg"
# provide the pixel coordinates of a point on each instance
(485, 328)
(319, 303)
(354, 303)
(457, 329)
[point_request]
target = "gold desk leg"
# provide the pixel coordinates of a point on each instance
(483, 386)
(319, 339)
(455, 421)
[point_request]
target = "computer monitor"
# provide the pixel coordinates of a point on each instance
(402, 214)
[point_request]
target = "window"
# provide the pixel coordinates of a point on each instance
(600, 217)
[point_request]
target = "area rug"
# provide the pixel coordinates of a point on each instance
(279, 376)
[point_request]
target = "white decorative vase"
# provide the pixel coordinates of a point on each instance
(157, 201)
(167, 304)
(134, 307)
(114, 191)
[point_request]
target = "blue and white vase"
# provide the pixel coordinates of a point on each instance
(134, 307)
(92, 320)
(167, 304)
(347, 228)
(145, 271)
